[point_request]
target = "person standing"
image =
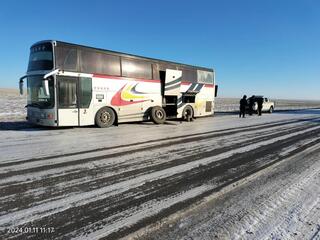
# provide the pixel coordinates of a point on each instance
(260, 102)
(243, 104)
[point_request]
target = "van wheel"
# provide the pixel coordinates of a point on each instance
(271, 110)
(158, 115)
(187, 113)
(105, 117)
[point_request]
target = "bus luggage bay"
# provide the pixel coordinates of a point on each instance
(74, 85)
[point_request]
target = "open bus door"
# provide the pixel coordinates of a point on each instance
(170, 90)
(172, 82)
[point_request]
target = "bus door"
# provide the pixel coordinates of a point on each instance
(172, 82)
(75, 99)
(86, 115)
(68, 110)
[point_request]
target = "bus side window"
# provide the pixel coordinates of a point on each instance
(96, 62)
(136, 69)
(67, 58)
(189, 75)
(205, 77)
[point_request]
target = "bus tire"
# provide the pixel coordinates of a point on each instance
(187, 113)
(105, 117)
(158, 115)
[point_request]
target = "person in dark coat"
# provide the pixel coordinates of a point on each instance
(251, 103)
(243, 104)
(260, 102)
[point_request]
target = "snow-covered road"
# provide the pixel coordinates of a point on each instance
(279, 202)
(109, 183)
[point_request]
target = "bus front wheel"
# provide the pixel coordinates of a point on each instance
(105, 117)
(158, 115)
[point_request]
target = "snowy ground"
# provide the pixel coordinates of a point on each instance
(12, 105)
(281, 202)
(218, 177)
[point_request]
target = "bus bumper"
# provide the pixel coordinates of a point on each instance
(43, 117)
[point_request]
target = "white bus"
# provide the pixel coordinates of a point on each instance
(74, 85)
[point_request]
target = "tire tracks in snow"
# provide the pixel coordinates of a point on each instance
(123, 147)
(56, 191)
(283, 204)
(199, 175)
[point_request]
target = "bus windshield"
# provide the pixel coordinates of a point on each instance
(41, 57)
(36, 96)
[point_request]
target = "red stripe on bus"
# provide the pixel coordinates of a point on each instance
(185, 83)
(125, 78)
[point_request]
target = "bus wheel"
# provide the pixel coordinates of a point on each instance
(158, 115)
(105, 117)
(187, 113)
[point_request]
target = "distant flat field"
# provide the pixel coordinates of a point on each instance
(232, 104)
(13, 105)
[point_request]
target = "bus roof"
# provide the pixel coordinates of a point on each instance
(122, 54)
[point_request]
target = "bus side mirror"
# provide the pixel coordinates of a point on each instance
(45, 85)
(21, 86)
(215, 90)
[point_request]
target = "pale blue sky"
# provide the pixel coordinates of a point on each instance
(269, 47)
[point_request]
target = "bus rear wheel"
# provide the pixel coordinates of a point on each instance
(105, 117)
(158, 115)
(187, 113)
